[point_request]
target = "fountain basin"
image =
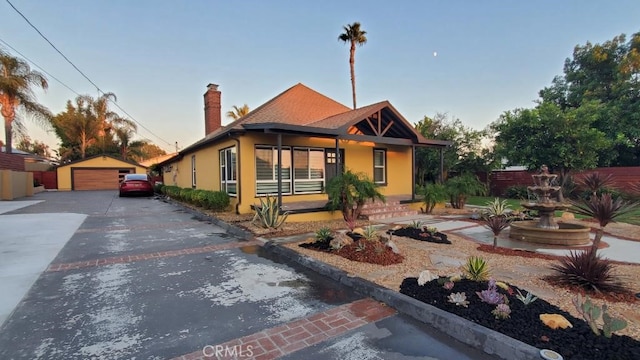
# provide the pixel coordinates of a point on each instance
(566, 234)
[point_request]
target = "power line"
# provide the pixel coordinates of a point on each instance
(56, 79)
(83, 74)
(39, 67)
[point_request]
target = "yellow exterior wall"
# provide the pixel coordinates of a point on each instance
(15, 184)
(359, 158)
(64, 172)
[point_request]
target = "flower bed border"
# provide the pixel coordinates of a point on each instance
(465, 331)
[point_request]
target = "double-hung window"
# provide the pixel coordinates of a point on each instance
(267, 167)
(308, 170)
(228, 171)
(380, 166)
(193, 171)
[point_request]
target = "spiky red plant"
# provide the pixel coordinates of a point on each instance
(587, 271)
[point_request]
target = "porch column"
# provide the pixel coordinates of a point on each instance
(279, 168)
(413, 172)
(441, 165)
(338, 159)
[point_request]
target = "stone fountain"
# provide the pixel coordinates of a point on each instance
(546, 230)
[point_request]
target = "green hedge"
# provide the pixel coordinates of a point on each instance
(210, 200)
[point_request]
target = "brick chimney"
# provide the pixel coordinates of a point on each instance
(212, 109)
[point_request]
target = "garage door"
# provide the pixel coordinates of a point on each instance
(95, 179)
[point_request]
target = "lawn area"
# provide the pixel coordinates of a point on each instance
(483, 200)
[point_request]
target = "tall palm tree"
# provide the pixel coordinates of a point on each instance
(77, 127)
(106, 118)
(355, 36)
(238, 112)
(16, 94)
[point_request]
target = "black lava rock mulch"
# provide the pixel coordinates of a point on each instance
(577, 343)
(422, 235)
(317, 245)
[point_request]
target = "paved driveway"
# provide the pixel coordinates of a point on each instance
(141, 278)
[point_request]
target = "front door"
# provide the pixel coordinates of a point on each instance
(330, 160)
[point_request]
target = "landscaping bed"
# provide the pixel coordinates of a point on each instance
(422, 235)
(524, 323)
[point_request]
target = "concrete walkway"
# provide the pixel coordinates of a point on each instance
(28, 244)
(618, 250)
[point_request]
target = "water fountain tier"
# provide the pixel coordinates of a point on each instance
(546, 230)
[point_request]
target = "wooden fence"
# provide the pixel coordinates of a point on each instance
(502, 180)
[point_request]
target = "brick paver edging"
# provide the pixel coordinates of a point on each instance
(465, 331)
(148, 256)
(299, 334)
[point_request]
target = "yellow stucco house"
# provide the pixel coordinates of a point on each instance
(292, 145)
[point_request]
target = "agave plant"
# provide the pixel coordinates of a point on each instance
(497, 207)
(324, 234)
(587, 271)
(476, 268)
(268, 214)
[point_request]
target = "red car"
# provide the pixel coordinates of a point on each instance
(136, 184)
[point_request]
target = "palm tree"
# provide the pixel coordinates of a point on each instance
(354, 36)
(77, 128)
(106, 118)
(16, 94)
(238, 112)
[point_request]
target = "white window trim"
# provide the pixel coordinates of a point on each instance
(308, 150)
(224, 182)
(193, 171)
(274, 173)
(383, 166)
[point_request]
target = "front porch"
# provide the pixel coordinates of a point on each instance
(395, 206)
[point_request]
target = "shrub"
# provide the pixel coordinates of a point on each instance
(517, 192)
(348, 193)
(216, 200)
(587, 271)
(432, 194)
(158, 188)
(199, 197)
(185, 194)
(461, 187)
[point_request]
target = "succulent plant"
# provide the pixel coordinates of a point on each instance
(526, 300)
(476, 269)
(448, 285)
(323, 234)
(416, 224)
(491, 295)
(502, 311)
(591, 312)
(459, 298)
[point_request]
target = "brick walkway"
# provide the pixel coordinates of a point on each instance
(288, 338)
(149, 256)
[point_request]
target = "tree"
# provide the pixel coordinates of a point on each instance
(608, 74)
(238, 112)
(355, 36)
(547, 135)
(36, 147)
(77, 128)
(466, 154)
(16, 94)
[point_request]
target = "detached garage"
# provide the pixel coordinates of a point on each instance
(102, 172)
